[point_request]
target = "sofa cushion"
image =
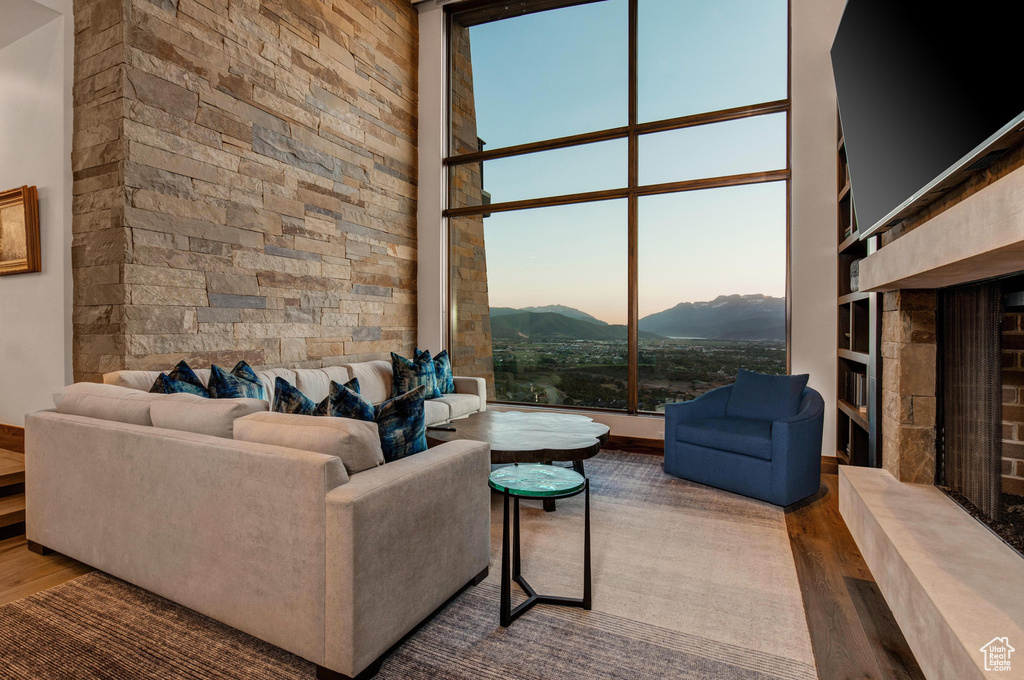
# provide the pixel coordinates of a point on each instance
(436, 411)
(181, 380)
(241, 382)
(267, 377)
(374, 379)
(765, 397)
(290, 399)
(739, 435)
(136, 380)
(356, 443)
(315, 383)
(192, 413)
(460, 404)
(106, 402)
(401, 425)
(408, 375)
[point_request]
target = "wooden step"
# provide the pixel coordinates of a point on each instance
(12, 509)
(12, 468)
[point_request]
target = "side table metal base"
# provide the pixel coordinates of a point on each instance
(511, 569)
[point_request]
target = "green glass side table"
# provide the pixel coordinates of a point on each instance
(546, 482)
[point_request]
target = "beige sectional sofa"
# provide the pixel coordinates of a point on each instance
(289, 528)
(374, 383)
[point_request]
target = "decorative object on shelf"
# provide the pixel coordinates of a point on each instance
(19, 231)
(855, 276)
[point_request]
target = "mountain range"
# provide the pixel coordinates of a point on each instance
(727, 317)
(570, 312)
(517, 325)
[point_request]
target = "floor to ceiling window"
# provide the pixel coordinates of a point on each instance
(617, 208)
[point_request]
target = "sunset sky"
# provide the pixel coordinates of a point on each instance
(694, 57)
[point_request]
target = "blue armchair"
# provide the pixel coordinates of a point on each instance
(774, 460)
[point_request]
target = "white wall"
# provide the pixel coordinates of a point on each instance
(35, 149)
(813, 204)
(813, 244)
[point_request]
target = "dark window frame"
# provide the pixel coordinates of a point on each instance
(632, 131)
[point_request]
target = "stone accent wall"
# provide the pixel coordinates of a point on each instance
(244, 182)
(1013, 402)
(909, 385)
(471, 343)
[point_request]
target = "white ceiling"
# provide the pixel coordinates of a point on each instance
(21, 17)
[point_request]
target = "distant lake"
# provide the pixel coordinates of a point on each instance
(684, 337)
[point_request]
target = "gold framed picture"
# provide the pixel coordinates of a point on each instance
(19, 231)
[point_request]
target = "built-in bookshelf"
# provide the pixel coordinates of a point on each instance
(858, 365)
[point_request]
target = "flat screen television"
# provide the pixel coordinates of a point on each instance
(926, 91)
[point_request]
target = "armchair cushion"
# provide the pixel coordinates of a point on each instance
(765, 397)
(738, 435)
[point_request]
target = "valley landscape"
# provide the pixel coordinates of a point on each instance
(561, 355)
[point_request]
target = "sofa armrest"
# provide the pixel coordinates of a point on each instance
(796, 449)
(477, 386)
(708, 405)
(401, 540)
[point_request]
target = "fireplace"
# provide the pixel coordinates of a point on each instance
(981, 402)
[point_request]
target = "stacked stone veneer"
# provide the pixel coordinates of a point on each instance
(909, 385)
(471, 342)
(1013, 403)
(244, 182)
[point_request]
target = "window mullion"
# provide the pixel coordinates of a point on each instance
(633, 320)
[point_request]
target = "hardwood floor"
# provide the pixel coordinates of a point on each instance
(853, 633)
(23, 573)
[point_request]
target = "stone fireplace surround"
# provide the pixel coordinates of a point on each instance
(952, 585)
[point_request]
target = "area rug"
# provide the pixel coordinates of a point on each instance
(689, 582)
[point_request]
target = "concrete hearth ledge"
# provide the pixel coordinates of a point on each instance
(952, 585)
(979, 238)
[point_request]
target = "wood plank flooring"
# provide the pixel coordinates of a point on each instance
(23, 573)
(853, 633)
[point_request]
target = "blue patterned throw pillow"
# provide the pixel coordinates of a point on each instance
(443, 371)
(345, 402)
(241, 382)
(289, 399)
(181, 379)
(408, 375)
(402, 426)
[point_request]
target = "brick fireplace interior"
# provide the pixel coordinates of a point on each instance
(915, 420)
(1013, 396)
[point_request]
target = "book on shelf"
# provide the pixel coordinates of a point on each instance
(857, 390)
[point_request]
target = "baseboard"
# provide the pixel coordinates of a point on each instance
(648, 445)
(12, 438)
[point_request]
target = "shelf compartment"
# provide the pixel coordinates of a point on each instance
(857, 416)
(857, 357)
(860, 336)
(853, 297)
(853, 245)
